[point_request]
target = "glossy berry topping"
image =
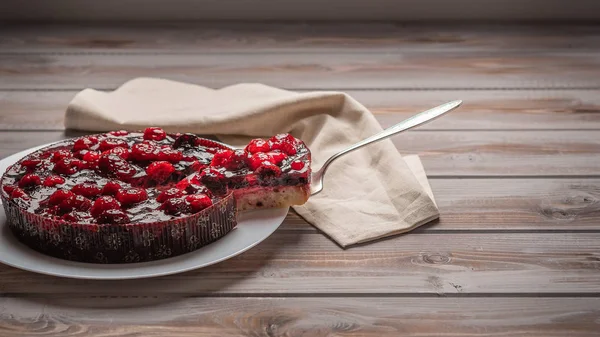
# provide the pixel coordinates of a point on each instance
(267, 170)
(115, 166)
(31, 163)
(285, 143)
(169, 155)
(170, 193)
(212, 177)
(119, 151)
(144, 152)
(160, 171)
(258, 145)
(113, 216)
(131, 196)
(251, 180)
(30, 179)
(222, 158)
(68, 166)
(59, 196)
(60, 154)
(51, 181)
(102, 204)
(297, 165)
(91, 159)
(78, 202)
(19, 193)
(154, 133)
(9, 188)
(118, 133)
(84, 143)
(88, 190)
(186, 140)
(277, 157)
(111, 188)
(111, 143)
(198, 202)
(258, 159)
(175, 206)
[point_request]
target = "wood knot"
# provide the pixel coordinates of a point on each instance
(437, 258)
(557, 213)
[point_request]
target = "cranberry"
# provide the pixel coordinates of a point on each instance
(59, 196)
(170, 193)
(119, 151)
(114, 165)
(175, 206)
(257, 159)
(268, 169)
(113, 216)
(170, 155)
(297, 165)
(30, 179)
(119, 133)
(144, 152)
(154, 133)
(88, 190)
(131, 196)
(104, 203)
(31, 163)
(111, 188)
(60, 154)
(277, 157)
(68, 166)
(111, 143)
(18, 193)
(52, 181)
(84, 143)
(258, 145)
(160, 171)
(198, 202)
(9, 189)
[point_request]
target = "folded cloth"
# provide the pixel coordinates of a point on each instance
(371, 193)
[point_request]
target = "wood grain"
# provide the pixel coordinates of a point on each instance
(294, 37)
(417, 317)
(451, 153)
(481, 110)
(406, 70)
(309, 264)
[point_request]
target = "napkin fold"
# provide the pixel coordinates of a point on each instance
(370, 193)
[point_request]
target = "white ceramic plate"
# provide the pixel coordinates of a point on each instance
(253, 227)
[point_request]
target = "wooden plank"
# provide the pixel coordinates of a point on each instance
(446, 70)
(452, 153)
(369, 316)
(293, 37)
(305, 263)
(481, 110)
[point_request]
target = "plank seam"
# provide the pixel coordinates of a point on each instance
(315, 295)
(391, 89)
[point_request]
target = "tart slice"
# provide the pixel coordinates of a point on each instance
(140, 196)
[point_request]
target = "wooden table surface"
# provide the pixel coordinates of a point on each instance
(515, 171)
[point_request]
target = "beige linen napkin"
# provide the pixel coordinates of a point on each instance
(370, 193)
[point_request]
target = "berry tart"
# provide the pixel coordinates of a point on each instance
(124, 197)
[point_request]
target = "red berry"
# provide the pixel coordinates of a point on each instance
(79, 202)
(104, 203)
(51, 181)
(297, 165)
(154, 133)
(222, 158)
(113, 216)
(111, 143)
(144, 152)
(131, 196)
(30, 179)
(91, 159)
(119, 133)
(277, 157)
(170, 155)
(68, 166)
(198, 202)
(19, 193)
(175, 206)
(70, 217)
(168, 194)
(251, 179)
(160, 170)
(60, 154)
(258, 145)
(257, 159)
(9, 189)
(59, 196)
(283, 138)
(84, 143)
(119, 151)
(213, 179)
(285, 143)
(111, 188)
(197, 166)
(88, 190)
(116, 166)
(31, 163)
(268, 169)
